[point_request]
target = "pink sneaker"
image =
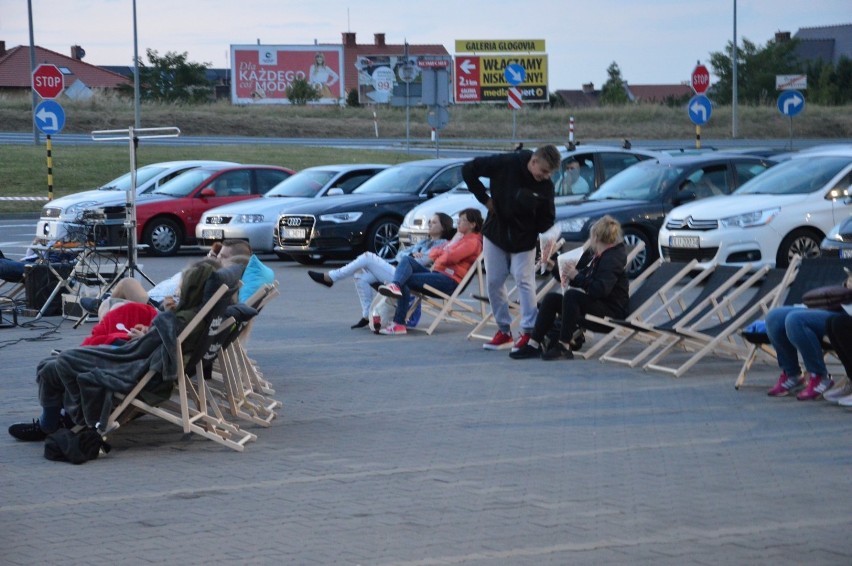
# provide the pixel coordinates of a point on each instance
(390, 290)
(817, 385)
(522, 341)
(501, 341)
(785, 385)
(394, 328)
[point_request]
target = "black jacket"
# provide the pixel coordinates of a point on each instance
(523, 207)
(604, 278)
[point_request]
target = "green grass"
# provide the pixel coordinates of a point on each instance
(23, 169)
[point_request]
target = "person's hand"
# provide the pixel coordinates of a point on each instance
(417, 255)
(137, 331)
(169, 304)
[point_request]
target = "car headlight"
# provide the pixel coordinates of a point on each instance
(573, 224)
(341, 217)
(79, 207)
(249, 218)
(750, 219)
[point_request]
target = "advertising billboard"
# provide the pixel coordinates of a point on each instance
(262, 73)
(384, 79)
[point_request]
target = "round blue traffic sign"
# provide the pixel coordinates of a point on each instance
(791, 102)
(515, 74)
(49, 117)
(699, 109)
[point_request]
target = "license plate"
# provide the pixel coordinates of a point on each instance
(846, 253)
(683, 241)
(294, 233)
(213, 234)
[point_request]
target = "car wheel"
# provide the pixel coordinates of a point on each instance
(632, 238)
(383, 238)
(163, 237)
(308, 259)
(284, 257)
(801, 242)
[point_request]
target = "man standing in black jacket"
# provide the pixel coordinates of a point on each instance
(519, 209)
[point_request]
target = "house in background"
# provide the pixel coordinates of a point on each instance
(80, 77)
(828, 43)
(588, 97)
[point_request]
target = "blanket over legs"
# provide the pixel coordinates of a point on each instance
(83, 379)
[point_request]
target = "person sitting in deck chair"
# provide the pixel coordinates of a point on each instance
(450, 264)
(81, 380)
(598, 285)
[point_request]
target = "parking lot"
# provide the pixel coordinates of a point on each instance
(429, 450)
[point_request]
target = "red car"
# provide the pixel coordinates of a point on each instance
(166, 217)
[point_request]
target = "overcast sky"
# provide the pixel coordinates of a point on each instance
(653, 41)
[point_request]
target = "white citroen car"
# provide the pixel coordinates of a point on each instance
(785, 211)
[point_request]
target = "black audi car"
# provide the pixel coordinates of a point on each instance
(367, 219)
(640, 197)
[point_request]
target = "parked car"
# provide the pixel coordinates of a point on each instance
(254, 220)
(838, 241)
(597, 164)
(58, 213)
(366, 220)
(785, 212)
(166, 217)
(640, 196)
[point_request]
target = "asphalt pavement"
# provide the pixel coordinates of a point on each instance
(428, 450)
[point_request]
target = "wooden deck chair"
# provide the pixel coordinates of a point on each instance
(442, 307)
(716, 331)
(203, 418)
(653, 287)
(803, 275)
(685, 305)
(240, 383)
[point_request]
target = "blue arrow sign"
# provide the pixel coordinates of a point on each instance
(699, 109)
(515, 74)
(49, 117)
(791, 102)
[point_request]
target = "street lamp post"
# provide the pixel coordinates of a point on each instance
(734, 83)
(137, 119)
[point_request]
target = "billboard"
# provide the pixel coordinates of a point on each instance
(262, 73)
(384, 79)
(483, 78)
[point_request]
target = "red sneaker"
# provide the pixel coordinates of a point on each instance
(522, 341)
(501, 341)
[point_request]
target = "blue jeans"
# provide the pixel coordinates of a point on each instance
(11, 270)
(409, 273)
(792, 329)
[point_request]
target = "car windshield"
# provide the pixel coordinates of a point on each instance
(143, 175)
(796, 176)
(302, 184)
(644, 181)
(184, 184)
(404, 179)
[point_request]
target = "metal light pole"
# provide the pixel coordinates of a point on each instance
(137, 119)
(734, 83)
(32, 67)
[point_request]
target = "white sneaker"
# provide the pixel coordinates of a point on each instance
(839, 391)
(845, 401)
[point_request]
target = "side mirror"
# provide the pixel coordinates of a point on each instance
(334, 191)
(207, 192)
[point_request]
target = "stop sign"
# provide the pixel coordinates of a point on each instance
(48, 81)
(700, 79)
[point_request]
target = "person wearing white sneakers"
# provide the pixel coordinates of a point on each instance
(838, 328)
(450, 264)
(520, 207)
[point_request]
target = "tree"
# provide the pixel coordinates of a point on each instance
(300, 92)
(171, 78)
(756, 70)
(613, 91)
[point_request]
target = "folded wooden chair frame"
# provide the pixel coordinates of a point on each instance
(652, 288)
(716, 331)
(203, 418)
(442, 307)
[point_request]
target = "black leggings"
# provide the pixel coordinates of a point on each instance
(572, 307)
(839, 331)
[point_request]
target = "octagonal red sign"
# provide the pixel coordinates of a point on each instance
(48, 81)
(700, 79)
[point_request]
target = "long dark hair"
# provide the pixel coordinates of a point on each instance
(474, 217)
(447, 229)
